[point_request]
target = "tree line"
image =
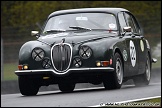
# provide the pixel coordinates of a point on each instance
(29, 13)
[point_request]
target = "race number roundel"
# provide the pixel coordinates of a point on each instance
(132, 53)
(142, 45)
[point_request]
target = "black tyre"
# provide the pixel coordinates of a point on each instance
(28, 86)
(66, 86)
(144, 79)
(114, 80)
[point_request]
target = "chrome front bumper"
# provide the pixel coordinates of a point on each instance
(51, 71)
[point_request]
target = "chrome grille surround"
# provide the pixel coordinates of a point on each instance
(61, 49)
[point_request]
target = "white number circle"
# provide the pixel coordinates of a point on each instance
(132, 53)
(142, 45)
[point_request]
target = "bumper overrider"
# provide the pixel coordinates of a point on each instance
(75, 70)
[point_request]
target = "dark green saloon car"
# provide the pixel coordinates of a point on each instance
(89, 45)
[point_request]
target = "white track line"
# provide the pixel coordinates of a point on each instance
(128, 101)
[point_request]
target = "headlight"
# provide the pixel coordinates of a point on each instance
(85, 52)
(46, 63)
(77, 62)
(38, 54)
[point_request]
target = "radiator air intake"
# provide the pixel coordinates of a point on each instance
(61, 55)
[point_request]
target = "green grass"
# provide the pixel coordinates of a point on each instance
(155, 102)
(157, 64)
(9, 71)
(152, 100)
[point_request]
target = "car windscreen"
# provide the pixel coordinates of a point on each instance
(81, 20)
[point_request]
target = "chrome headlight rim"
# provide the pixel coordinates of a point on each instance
(38, 54)
(85, 52)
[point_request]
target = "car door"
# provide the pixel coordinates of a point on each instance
(131, 48)
(136, 45)
(126, 38)
(140, 40)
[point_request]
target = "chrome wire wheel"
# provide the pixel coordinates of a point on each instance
(144, 79)
(148, 70)
(114, 80)
(119, 71)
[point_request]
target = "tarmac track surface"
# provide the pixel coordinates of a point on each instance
(82, 97)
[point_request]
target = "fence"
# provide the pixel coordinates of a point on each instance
(12, 38)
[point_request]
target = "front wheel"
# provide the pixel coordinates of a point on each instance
(114, 80)
(144, 79)
(28, 86)
(66, 86)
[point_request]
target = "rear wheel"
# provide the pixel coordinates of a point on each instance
(66, 86)
(144, 79)
(28, 86)
(114, 80)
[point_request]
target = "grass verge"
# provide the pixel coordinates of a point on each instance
(155, 102)
(9, 71)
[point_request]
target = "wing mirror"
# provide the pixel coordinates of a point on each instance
(127, 29)
(154, 60)
(35, 33)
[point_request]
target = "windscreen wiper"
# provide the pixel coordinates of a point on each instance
(55, 31)
(79, 28)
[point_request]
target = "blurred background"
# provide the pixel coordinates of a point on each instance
(19, 18)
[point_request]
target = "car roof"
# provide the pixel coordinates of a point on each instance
(108, 10)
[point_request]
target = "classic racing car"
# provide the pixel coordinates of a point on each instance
(88, 45)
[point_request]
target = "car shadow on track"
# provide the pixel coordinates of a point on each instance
(83, 90)
(89, 90)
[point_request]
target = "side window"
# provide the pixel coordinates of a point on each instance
(138, 31)
(121, 21)
(131, 21)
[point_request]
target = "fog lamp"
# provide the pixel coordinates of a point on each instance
(98, 63)
(25, 67)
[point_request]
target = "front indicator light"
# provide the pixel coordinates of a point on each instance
(20, 67)
(110, 61)
(105, 63)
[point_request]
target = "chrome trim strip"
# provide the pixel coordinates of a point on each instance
(44, 42)
(70, 57)
(93, 39)
(47, 70)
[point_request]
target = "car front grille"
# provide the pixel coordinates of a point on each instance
(61, 56)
